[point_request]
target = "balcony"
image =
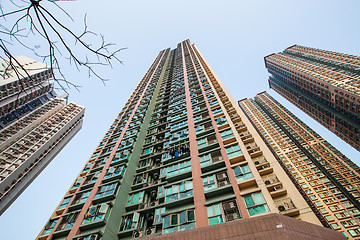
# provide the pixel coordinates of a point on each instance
(246, 137)
(240, 127)
(253, 150)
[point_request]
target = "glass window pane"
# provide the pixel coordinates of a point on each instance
(237, 171)
(215, 220)
(249, 201)
(210, 211)
(258, 198)
(258, 210)
(191, 215)
(175, 188)
(182, 186)
(174, 219)
(187, 226)
(182, 217)
(245, 169)
(166, 221)
(217, 209)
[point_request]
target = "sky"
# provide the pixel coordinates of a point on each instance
(233, 36)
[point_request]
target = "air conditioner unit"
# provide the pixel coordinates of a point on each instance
(231, 217)
(154, 203)
(150, 231)
(277, 187)
(155, 176)
(281, 208)
(137, 234)
(222, 183)
(221, 176)
(228, 206)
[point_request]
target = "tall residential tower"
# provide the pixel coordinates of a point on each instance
(35, 125)
(179, 158)
(324, 84)
(327, 180)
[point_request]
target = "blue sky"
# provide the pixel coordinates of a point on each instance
(233, 36)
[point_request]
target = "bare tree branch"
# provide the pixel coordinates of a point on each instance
(27, 19)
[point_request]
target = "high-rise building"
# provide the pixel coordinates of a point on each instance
(327, 180)
(324, 84)
(35, 125)
(179, 157)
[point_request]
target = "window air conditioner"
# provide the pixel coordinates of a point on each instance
(137, 234)
(281, 208)
(150, 231)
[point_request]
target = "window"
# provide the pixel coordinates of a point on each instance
(223, 212)
(77, 182)
(67, 221)
(199, 129)
(233, 151)
(202, 143)
(113, 171)
(129, 222)
(158, 212)
(140, 178)
(217, 111)
(226, 134)
(197, 118)
(121, 155)
(87, 167)
(96, 212)
(126, 143)
(106, 190)
(135, 198)
(242, 172)
(335, 226)
(213, 102)
(179, 222)
(50, 226)
(178, 125)
(255, 204)
(354, 232)
(221, 121)
(348, 223)
(178, 136)
(210, 95)
(148, 150)
(92, 177)
(176, 169)
(144, 163)
(205, 160)
(93, 236)
(209, 183)
(81, 197)
(215, 214)
(65, 202)
(178, 191)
